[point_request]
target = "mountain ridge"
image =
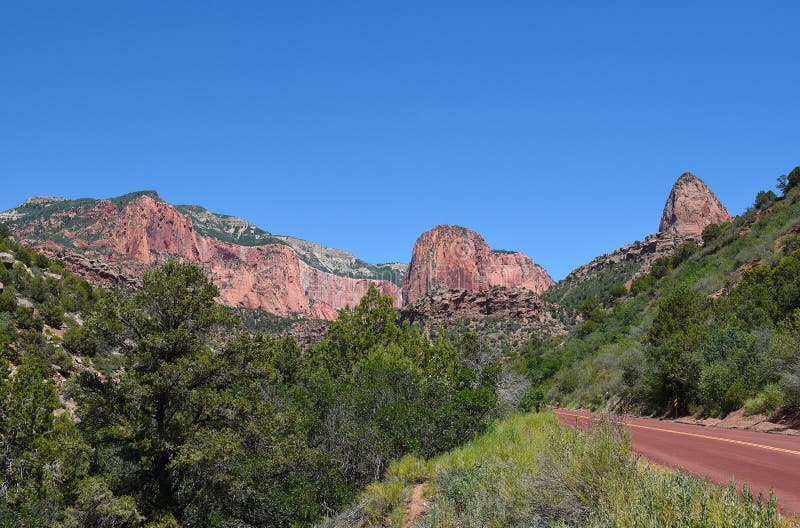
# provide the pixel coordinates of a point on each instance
(115, 239)
(130, 233)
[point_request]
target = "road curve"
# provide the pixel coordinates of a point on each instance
(762, 460)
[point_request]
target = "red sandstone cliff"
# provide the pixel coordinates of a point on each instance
(449, 257)
(690, 207)
(128, 240)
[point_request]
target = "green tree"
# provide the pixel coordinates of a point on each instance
(618, 291)
(145, 418)
(37, 455)
(643, 283)
(372, 322)
(787, 183)
(764, 199)
(192, 432)
(381, 390)
(711, 232)
(660, 267)
(681, 308)
(52, 313)
(8, 303)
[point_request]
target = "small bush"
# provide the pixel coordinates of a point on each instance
(769, 399)
(642, 284)
(532, 399)
(791, 244)
(62, 360)
(790, 384)
(711, 233)
(26, 320)
(52, 313)
(764, 199)
(8, 303)
(80, 341)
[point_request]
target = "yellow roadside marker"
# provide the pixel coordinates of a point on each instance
(696, 435)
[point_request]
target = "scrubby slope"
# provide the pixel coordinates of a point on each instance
(690, 207)
(716, 326)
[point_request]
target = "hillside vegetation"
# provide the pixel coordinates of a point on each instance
(716, 326)
(156, 412)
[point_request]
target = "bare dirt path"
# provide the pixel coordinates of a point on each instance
(416, 504)
(761, 460)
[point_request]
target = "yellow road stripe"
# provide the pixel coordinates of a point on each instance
(729, 440)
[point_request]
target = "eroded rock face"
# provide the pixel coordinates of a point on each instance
(440, 306)
(690, 207)
(118, 244)
(505, 318)
(453, 257)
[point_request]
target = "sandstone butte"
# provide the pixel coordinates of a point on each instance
(690, 207)
(453, 257)
(267, 277)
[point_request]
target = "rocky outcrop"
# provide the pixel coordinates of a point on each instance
(506, 318)
(690, 207)
(616, 267)
(95, 271)
(7, 260)
(440, 306)
(116, 243)
(453, 257)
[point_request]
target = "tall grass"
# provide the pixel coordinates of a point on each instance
(529, 471)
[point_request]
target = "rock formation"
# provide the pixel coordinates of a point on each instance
(440, 306)
(690, 207)
(456, 257)
(114, 243)
(506, 318)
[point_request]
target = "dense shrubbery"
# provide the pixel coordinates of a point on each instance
(178, 428)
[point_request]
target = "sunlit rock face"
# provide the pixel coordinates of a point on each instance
(690, 207)
(453, 257)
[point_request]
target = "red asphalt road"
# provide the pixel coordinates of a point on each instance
(761, 460)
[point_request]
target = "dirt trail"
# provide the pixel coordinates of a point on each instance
(417, 505)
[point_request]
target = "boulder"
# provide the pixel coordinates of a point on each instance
(7, 260)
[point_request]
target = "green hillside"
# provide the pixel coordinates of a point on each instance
(577, 287)
(717, 326)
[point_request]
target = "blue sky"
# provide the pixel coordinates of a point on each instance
(553, 128)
